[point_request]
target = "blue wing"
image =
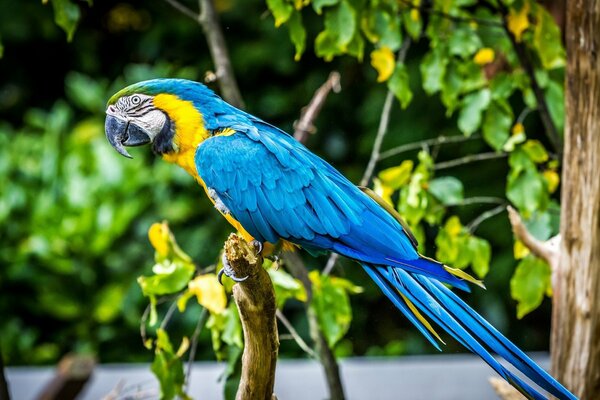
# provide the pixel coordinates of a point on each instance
(276, 188)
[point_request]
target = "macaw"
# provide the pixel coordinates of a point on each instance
(271, 188)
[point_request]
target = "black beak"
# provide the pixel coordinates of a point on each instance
(122, 133)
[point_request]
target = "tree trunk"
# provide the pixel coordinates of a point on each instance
(576, 311)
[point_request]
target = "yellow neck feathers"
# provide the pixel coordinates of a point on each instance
(189, 130)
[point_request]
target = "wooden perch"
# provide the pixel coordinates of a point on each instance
(504, 390)
(72, 374)
(255, 299)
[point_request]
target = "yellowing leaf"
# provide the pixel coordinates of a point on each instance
(383, 61)
(453, 226)
(518, 21)
(415, 15)
(159, 238)
(552, 179)
(484, 56)
(396, 177)
(209, 292)
(383, 191)
(520, 250)
(518, 128)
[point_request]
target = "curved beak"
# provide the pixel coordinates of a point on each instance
(122, 133)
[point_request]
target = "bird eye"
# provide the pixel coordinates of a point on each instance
(135, 99)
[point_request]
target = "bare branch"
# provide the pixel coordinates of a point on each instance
(384, 122)
(468, 159)
(295, 335)
(424, 143)
(255, 299)
(544, 250)
(304, 126)
(209, 21)
(183, 9)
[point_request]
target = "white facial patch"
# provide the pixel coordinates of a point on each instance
(140, 110)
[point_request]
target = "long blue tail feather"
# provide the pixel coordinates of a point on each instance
(448, 311)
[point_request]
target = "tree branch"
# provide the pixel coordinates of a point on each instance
(473, 225)
(209, 21)
(305, 125)
(547, 251)
(468, 159)
(423, 143)
(255, 299)
(542, 105)
(192, 355)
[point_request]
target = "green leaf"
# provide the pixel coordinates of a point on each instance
(464, 41)
(469, 118)
(413, 23)
(340, 22)
(396, 177)
(281, 10)
(399, 85)
(173, 277)
(297, 34)
(532, 279)
(1, 49)
(527, 191)
(535, 151)
(85, 92)
(331, 305)
(319, 4)
(447, 189)
(496, 124)
(555, 98)
(433, 70)
(168, 368)
(547, 40)
(286, 287)
(66, 15)
(481, 253)
(109, 303)
(382, 27)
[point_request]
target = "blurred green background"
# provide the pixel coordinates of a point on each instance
(74, 214)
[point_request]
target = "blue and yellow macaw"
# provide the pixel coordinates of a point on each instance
(271, 188)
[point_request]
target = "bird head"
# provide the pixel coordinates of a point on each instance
(169, 114)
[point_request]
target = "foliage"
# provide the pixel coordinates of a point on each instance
(74, 215)
(472, 64)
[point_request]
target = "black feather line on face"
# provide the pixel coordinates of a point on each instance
(163, 142)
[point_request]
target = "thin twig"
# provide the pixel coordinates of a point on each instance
(384, 122)
(295, 335)
(168, 315)
(473, 225)
(542, 105)
(468, 159)
(183, 9)
(423, 143)
(194, 345)
(305, 125)
(143, 324)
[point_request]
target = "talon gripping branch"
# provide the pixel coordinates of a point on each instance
(271, 188)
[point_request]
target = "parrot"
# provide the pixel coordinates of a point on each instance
(272, 189)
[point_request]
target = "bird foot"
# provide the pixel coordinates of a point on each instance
(258, 246)
(228, 271)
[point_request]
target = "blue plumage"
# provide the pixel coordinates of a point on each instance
(277, 189)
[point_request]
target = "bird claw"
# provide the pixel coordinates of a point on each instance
(228, 271)
(258, 246)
